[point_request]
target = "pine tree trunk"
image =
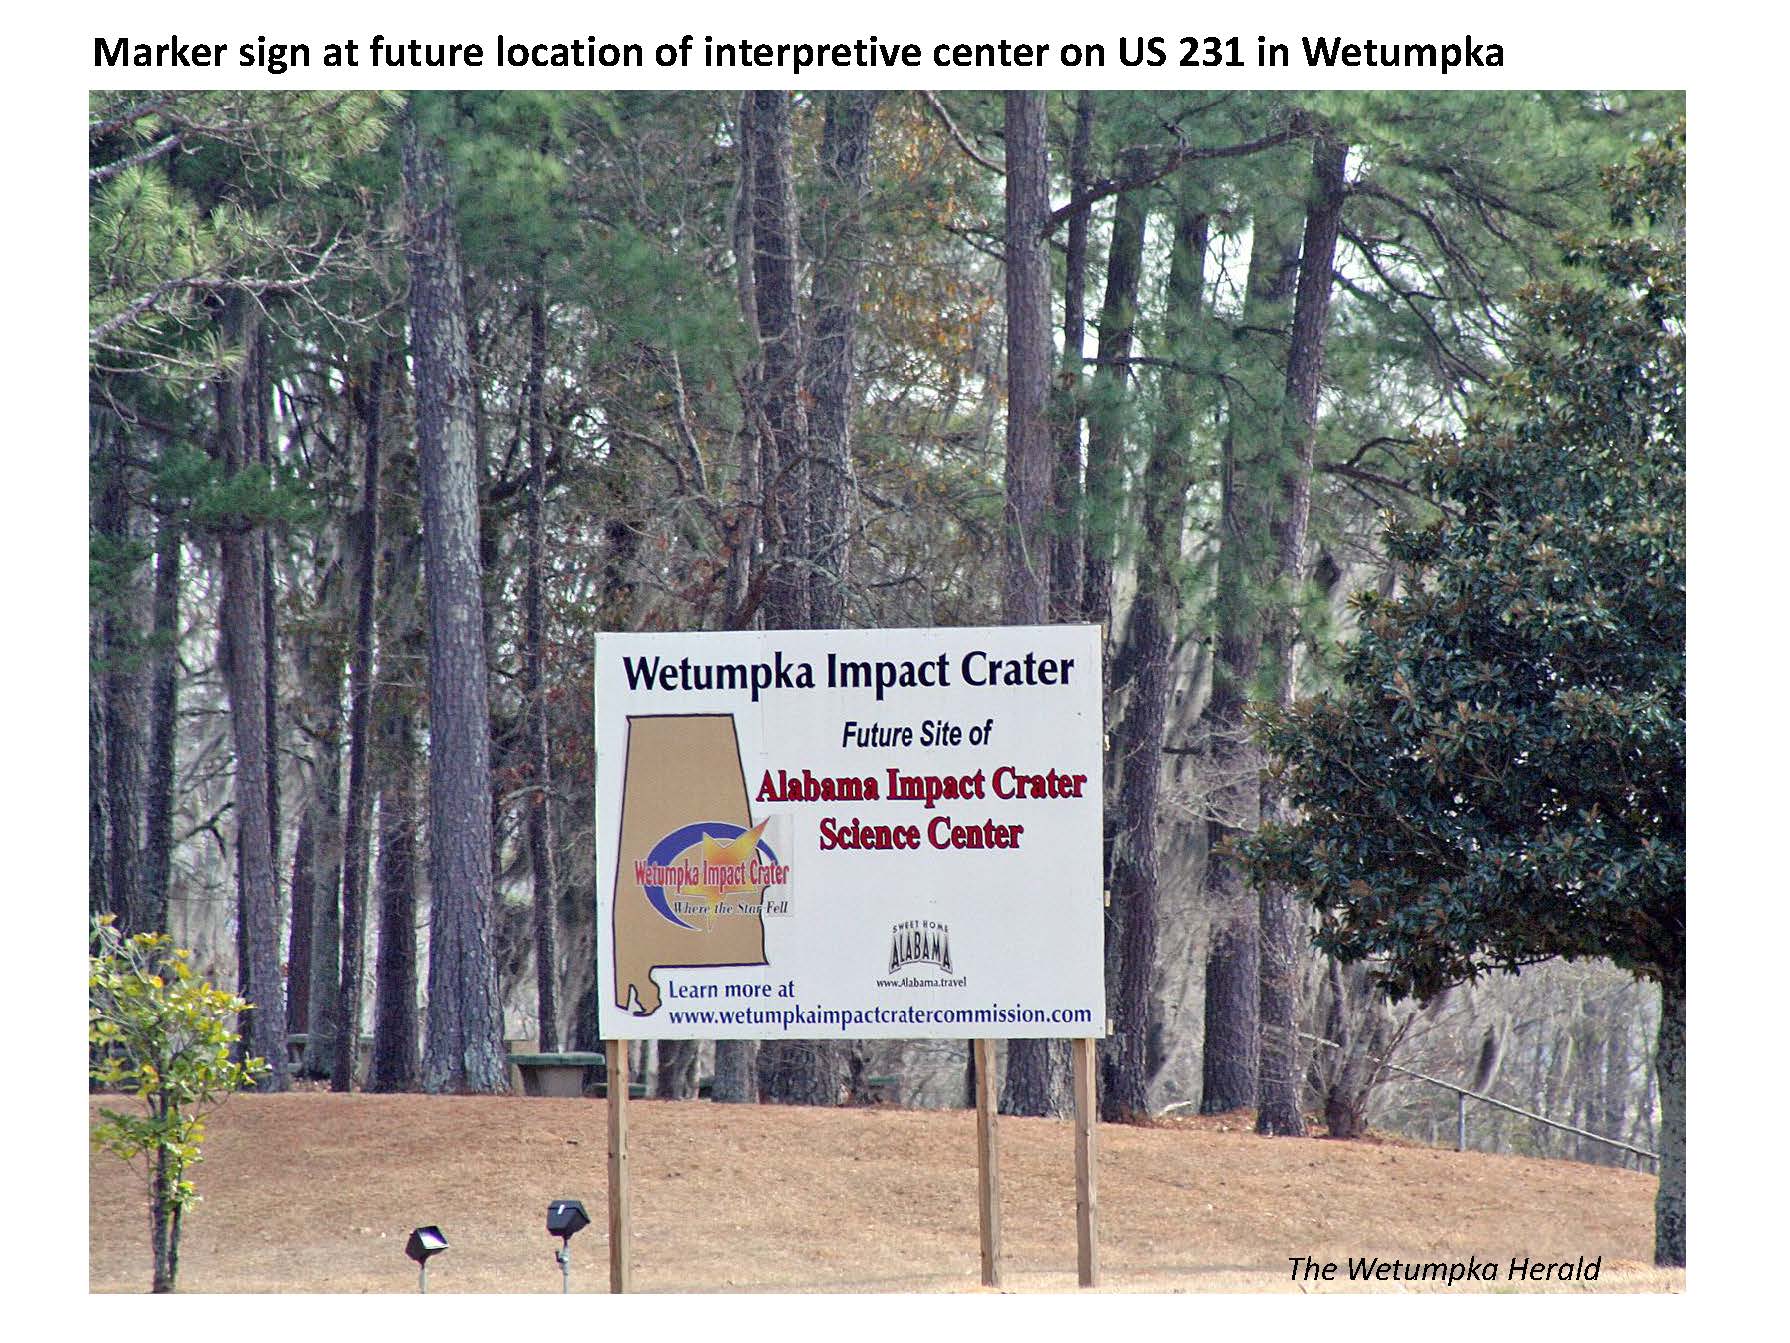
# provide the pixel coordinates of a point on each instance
(1155, 618)
(464, 1051)
(534, 687)
(677, 1070)
(1668, 1206)
(1233, 993)
(99, 886)
(396, 1065)
(164, 708)
(1066, 396)
(779, 398)
(321, 671)
(745, 529)
(736, 1080)
(360, 693)
(1105, 483)
(736, 1060)
(122, 679)
(736, 1072)
(1279, 1108)
(800, 1072)
(242, 657)
(1037, 1070)
(838, 228)
(298, 932)
(258, 393)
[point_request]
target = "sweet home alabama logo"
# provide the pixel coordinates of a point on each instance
(920, 942)
(696, 868)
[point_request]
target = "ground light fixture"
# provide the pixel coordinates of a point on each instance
(565, 1218)
(424, 1244)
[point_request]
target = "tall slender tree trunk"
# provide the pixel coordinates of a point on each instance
(1668, 1206)
(534, 685)
(838, 229)
(164, 720)
(360, 709)
(736, 1061)
(1233, 991)
(464, 1051)
(1037, 1070)
(803, 1072)
(242, 656)
(1105, 484)
(258, 397)
(321, 672)
(746, 534)
(1066, 396)
(779, 399)
(813, 1072)
(99, 887)
(396, 1064)
(122, 684)
(1279, 1085)
(298, 932)
(1155, 618)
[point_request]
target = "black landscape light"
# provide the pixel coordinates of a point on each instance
(565, 1218)
(424, 1244)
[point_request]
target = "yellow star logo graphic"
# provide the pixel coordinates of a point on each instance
(717, 855)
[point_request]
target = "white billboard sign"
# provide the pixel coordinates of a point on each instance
(850, 833)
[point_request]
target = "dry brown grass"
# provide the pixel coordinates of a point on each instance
(311, 1192)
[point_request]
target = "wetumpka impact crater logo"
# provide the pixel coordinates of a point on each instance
(698, 869)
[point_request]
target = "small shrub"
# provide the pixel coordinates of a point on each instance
(156, 1032)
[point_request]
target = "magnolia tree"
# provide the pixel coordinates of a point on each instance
(1499, 778)
(159, 1034)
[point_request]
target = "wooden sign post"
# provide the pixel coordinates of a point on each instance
(621, 1260)
(1087, 1189)
(988, 1165)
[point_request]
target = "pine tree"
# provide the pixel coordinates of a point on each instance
(1499, 778)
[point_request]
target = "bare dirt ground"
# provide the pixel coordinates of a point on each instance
(312, 1192)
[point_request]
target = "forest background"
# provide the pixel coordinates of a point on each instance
(708, 360)
(661, 398)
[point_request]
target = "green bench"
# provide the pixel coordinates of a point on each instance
(563, 1074)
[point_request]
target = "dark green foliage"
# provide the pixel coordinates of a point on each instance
(1499, 777)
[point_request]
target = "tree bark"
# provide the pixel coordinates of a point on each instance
(1668, 1207)
(360, 694)
(799, 1072)
(298, 932)
(1279, 1108)
(122, 681)
(1037, 1070)
(321, 672)
(258, 394)
(677, 1070)
(99, 887)
(464, 1051)
(736, 1080)
(164, 710)
(396, 1065)
(243, 659)
(1155, 619)
(1066, 396)
(838, 227)
(779, 399)
(1233, 993)
(1105, 483)
(745, 533)
(534, 686)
